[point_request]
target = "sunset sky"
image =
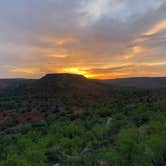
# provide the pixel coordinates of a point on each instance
(96, 38)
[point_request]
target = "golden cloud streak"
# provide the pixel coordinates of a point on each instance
(57, 40)
(26, 70)
(133, 52)
(160, 26)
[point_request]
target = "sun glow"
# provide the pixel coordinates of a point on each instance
(81, 71)
(75, 70)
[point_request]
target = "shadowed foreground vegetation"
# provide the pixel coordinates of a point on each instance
(129, 136)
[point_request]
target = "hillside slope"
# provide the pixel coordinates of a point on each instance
(60, 84)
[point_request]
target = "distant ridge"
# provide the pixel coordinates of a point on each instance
(14, 83)
(75, 87)
(65, 82)
(138, 82)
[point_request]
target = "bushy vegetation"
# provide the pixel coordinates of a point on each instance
(134, 135)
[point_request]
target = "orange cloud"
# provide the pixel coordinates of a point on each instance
(108, 75)
(58, 55)
(52, 52)
(26, 70)
(133, 52)
(56, 40)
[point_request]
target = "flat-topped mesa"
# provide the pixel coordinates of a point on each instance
(63, 76)
(65, 83)
(60, 84)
